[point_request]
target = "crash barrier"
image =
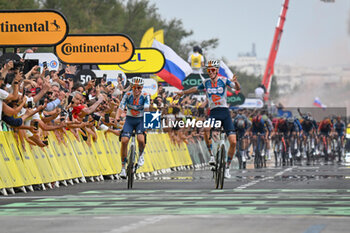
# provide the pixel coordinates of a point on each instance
(198, 152)
(22, 164)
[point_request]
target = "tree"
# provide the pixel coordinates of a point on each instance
(250, 82)
(19, 4)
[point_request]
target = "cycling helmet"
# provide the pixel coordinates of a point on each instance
(212, 64)
(282, 120)
(138, 81)
(240, 124)
(290, 120)
(306, 118)
(257, 119)
(327, 121)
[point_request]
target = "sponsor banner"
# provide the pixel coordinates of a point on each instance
(84, 76)
(193, 80)
(144, 60)
(236, 99)
(95, 49)
(252, 103)
(150, 86)
(22, 28)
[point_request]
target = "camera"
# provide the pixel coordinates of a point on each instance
(98, 81)
(17, 65)
(107, 118)
(30, 104)
(36, 125)
(45, 64)
(63, 113)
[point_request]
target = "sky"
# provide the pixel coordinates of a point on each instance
(315, 33)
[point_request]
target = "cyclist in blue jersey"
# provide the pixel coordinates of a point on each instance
(216, 90)
(241, 123)
(136, 103)
(339, 128)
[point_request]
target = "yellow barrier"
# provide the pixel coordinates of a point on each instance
(22, 164)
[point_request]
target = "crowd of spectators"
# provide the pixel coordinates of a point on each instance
(33, 103)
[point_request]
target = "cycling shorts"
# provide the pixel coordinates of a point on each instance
(340, 133)
(258, 130)
(324, 132)
(223, 115)
(133, 123)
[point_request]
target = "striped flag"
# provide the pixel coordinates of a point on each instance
(175, 69)
(317, 103)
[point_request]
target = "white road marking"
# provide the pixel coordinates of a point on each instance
(262, 179)
(138, 225)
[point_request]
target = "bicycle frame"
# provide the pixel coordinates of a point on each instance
(131, 169)
(239, 149)
(259, 160)
(220, 165)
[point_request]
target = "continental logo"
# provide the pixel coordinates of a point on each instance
(32, 28)
(95, 49)
(144, 60)
(69, 49)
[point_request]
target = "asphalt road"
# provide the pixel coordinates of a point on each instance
(290, 199)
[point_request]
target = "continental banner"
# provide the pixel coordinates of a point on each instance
(20, 28)
(95, 49)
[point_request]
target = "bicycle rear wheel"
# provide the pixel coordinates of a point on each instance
(130, 169)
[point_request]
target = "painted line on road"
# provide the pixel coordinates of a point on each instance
(315, 228)
(262, 179)
(138, 225)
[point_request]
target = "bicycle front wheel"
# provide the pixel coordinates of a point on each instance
(222, 166)
(130, 170)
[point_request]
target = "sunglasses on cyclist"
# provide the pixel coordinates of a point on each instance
(211, 70)
(137, 88)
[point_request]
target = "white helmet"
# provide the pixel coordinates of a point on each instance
(212, 63)
(137, 81)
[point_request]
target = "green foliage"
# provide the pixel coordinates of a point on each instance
(18, 4)
(250, 82)
(274, 88)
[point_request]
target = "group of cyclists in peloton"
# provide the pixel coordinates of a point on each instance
(290, 139)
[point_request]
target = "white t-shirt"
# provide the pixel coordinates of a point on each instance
(3, 95)
(259, 92)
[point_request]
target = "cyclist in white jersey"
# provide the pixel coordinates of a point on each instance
(216, 90)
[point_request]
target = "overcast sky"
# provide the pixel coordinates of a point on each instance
(315, 33)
